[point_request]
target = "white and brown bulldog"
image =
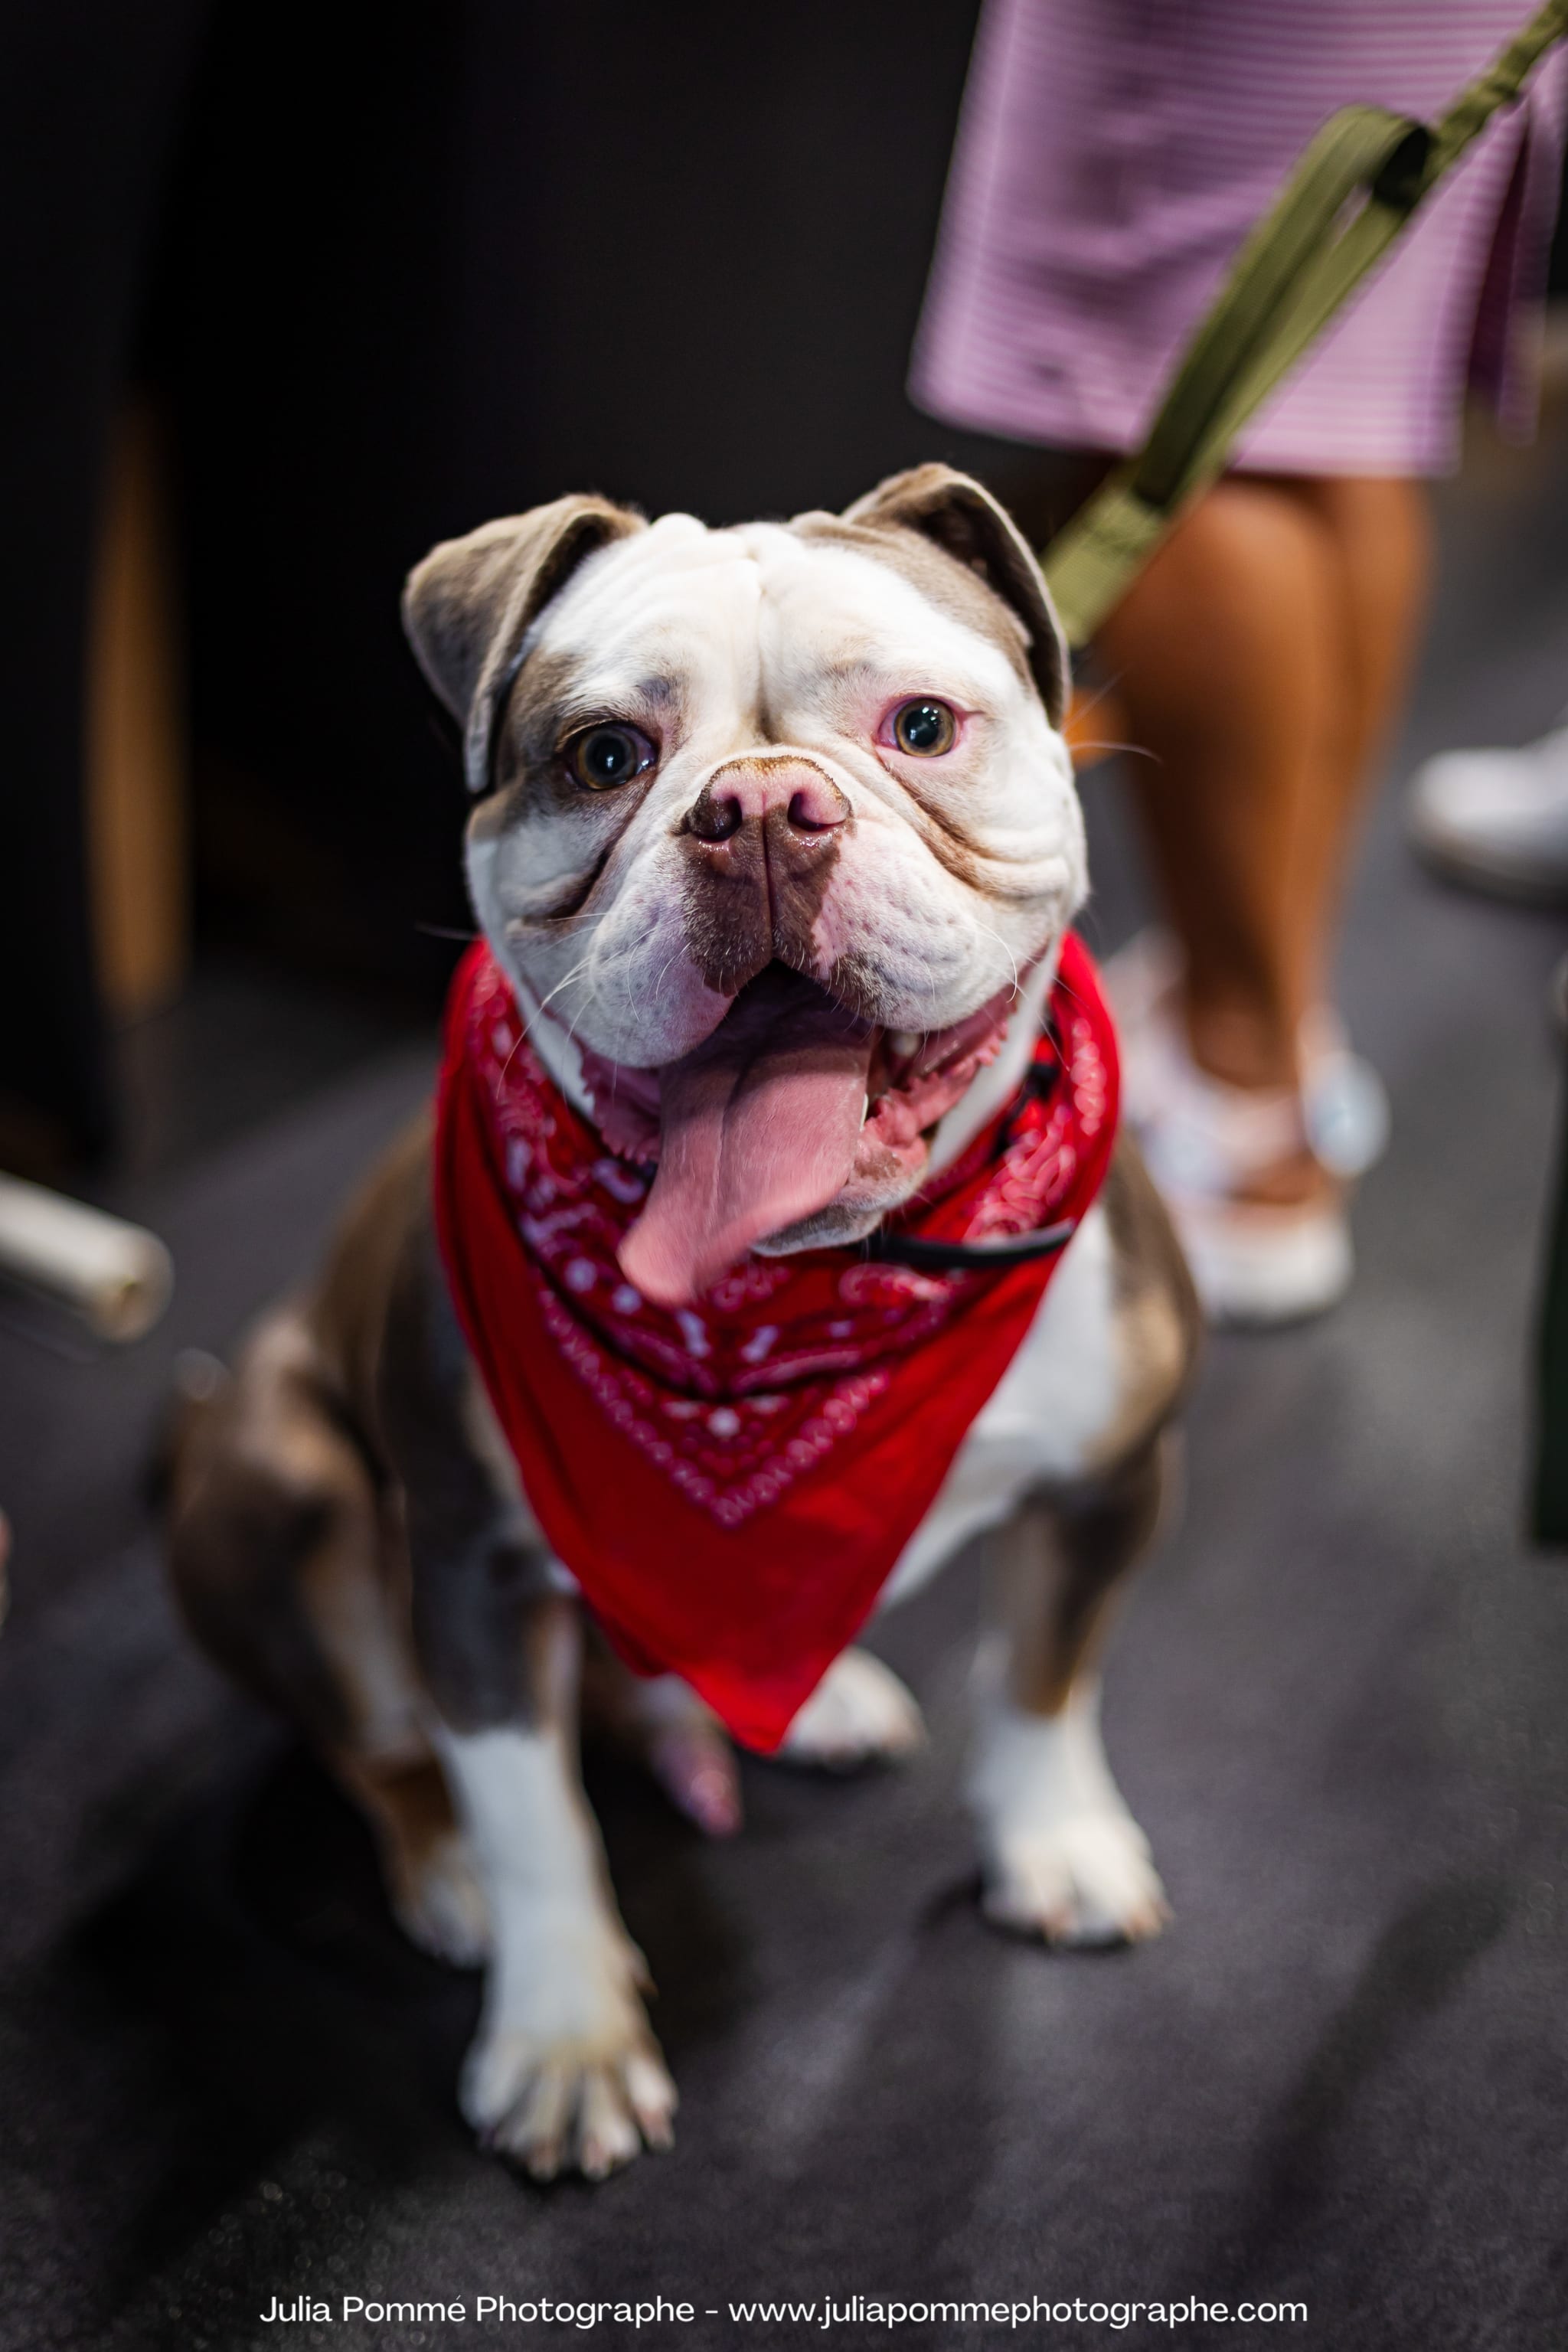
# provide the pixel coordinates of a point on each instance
(775, 852)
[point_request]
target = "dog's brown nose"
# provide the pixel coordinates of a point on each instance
(783, 796)
(760, 841)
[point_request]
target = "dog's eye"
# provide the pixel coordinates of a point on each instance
(602, 757)
(924, 728)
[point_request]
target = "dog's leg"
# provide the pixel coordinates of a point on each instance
(859, 1713)
(660, 1720)
(1061, 1854)
(290, 1575)
(565, 2070)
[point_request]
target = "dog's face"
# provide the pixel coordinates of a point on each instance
(776, 829)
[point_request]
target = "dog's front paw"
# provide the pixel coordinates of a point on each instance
(1087, 1879)
(1061, 1856)
(565, 2073)
(858, 1711)
(562, 2106)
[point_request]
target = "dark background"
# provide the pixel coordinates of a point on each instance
(384, 274)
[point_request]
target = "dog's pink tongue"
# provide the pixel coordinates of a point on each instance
(759, 1126)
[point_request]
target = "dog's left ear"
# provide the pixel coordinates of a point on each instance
(965, 520)
(467, 608)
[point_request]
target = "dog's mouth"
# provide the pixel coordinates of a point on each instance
(793, 1102)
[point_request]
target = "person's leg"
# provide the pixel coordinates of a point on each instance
(1380, 551)
(1258, 658)
(1222, 656)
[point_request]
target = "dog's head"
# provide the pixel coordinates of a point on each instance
(775, 835)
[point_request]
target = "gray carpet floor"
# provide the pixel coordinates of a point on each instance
(1339, 1702)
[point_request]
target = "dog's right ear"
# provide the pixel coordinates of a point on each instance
(468, 606)
(960, 516)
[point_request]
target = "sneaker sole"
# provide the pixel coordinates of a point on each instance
(1257, 1269)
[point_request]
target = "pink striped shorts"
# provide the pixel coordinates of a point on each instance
(1111, 156)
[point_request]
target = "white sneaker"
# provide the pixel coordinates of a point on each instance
(1254, 1263)
(1344, 1103)
(1497, 820)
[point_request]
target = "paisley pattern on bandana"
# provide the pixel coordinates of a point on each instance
(731, 1483)
(734, 1398)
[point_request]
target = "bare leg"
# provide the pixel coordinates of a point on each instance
(1380, 550)
(1258, 659)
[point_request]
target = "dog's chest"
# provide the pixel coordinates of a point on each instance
(1043, 1421)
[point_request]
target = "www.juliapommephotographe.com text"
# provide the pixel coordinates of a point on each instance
(822, 2312)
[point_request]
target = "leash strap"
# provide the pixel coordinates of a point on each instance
(1354, 191)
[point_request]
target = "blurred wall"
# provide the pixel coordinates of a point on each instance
(671, 254)
(91, 95)
(386, 273)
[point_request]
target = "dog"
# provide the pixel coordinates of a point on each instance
(774, 851)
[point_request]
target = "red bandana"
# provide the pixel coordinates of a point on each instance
(731, 1483)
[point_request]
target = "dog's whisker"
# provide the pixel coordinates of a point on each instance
(1132, 751)
(577, 972)
(986, 931)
